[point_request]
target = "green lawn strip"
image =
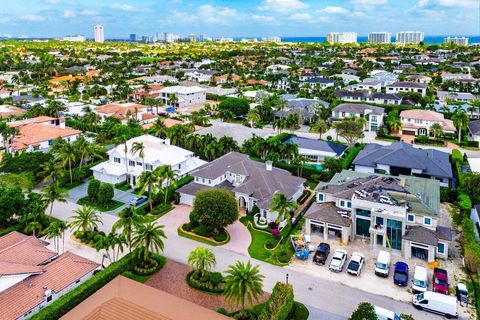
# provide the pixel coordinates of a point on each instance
(143, 278)
(123, 187)
(192, 236)
(70, 186)
(112, 206)
(299, 311)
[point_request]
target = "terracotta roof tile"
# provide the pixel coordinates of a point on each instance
(35, 133)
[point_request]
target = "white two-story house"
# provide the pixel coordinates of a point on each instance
(185, 96)
(253, 183)
(406, 86)
(393, 213)
(419, 122)
(129, 166)
(374, 115)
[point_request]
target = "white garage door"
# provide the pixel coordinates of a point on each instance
(186, 199)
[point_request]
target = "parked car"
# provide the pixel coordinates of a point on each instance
(356, 263)
(400, 274)
(382, 266)
(437, 303)
(440, 281)
(338, 260)
(138, 200)
(385, 314)
(420, 280)
(321, 254)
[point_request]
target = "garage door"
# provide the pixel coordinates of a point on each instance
(186, 199)
(408, 132)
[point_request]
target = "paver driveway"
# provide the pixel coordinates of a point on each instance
(240, 237)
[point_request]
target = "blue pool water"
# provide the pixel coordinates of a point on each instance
(315, 165)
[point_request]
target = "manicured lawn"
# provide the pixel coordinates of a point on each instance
(142, 278)
(70, 186)
(114, 204)
(123, 187)
(257, 248)
(192, 236)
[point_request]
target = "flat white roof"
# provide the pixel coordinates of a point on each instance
(474, 164)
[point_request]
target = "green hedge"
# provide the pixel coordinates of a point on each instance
(470, 246)
(279, 304)
(350, 154)
(203, 286)
(70, 300)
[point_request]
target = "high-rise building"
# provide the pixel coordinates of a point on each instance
(168, 37)
(380, 37)
(75, 38)
(342, 37)
(98, 33)
(409, 37)
(133, 37)
(461, 41)
(192, 38)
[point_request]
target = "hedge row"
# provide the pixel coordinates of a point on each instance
(350, 154)
(279, 304)
(70, 300)
(203, 286)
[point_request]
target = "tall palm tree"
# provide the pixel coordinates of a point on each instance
(460, 120)
(243, 283)
(202, 259)
(436, 129)
(395, 125)
(81, 146)
(52, 193)
(333, 165)
(321, 127)
(51, 171)
(53, 231)
(148, 238)
(281, 204)
(148, 182)
(168, 176)
(32, 227)
(67, 154)
(139, 147)
(158, 129)
(173, 99)
(85, 219)
(128, 220)
(253, 117)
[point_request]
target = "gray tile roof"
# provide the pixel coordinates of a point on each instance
(427, 236)
(407, 84)
(474, 127)
(260, 183)
(403, 155)
(325, 146)
(327, 212)
(358, 108)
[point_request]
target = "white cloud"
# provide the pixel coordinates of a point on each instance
(211, 11)
(282, 5)
(301, 17)
(32, 17)
(448, 3)
(68, 14)
(262, 18)
(129, 8)
(87, 12)
(368, 4)
(4, 20)
(333, 10)
(53, 1)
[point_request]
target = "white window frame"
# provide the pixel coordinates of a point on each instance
(444, 247)
(425, 223)
(411, 215)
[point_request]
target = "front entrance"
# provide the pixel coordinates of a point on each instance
(241, 202)
(394, 234)
(362, 227)
(419, 251)
(380, 240)
(422, 132)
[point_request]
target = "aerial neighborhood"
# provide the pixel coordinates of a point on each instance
(202, 178)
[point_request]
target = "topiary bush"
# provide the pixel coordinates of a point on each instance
(92, 190)
(284, 256)
(105, 194)
(279, 304)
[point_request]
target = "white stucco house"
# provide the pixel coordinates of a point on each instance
(121, 166)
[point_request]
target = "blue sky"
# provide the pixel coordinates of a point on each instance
(54, 18)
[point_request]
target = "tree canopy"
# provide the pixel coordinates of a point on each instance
(215, 208)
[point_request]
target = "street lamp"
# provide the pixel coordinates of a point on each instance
(286, 277)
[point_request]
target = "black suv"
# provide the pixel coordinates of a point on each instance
(321, 254)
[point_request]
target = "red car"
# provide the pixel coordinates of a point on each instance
(440, 281)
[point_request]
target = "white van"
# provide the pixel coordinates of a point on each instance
(384, 314)
(382, 265)
(420, 280)
(437, 303)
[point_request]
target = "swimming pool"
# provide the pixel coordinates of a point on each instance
(317, 166)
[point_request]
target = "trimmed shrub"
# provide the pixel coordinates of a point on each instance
(284, 256)
(222, 310)
(279, 304)
(271, 243)
(220, 237)
(216, 278)
(105, 193)
(92, 190)
(202, 231)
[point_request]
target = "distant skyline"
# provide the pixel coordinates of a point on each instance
(232, 18)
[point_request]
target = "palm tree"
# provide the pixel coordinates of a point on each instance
(147, 239)
(53, 231)
(168, 176)
(128, 220)
(52, 193)
(460, 119)
(140, 148)
(333, 165)
(202, 259)
(281, 204)
(321, 127)
(158, 129)
(33, 227)
(51, 171)
(86, 219)
(173, 99)
(253, 117)
(81, 146)
(67, 154)
(436, 129)
(148, 182)
(243, 283)
(395, 125)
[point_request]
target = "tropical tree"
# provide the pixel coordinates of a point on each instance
(85, 219)
(436, 129)
(364, 311)
(202, 259)
(167, 176)
(351, 129)
(67, 155)
(51, 171)
(333, 165)
(395, 125)
(173, 99)
(54, 231)
(147, 239)
(52, 193)
(33, 227)
(128, 220)
(253, 117)
(460, 120)
(139, 147)
(148, 182)
(243, 284)
(281, 204)
(158, 128)
(320, 126)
